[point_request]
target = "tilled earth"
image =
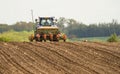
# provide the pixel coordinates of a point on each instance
(59, 58)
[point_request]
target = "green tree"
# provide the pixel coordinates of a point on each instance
(60, 23)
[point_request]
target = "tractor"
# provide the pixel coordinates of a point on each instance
(47, 30)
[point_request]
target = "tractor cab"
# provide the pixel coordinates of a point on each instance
(46, 21)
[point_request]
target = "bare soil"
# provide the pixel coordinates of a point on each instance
(59, 58)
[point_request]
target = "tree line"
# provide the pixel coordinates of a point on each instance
(77, 29)
(19, 26)
(71, 27)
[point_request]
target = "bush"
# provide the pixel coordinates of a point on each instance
(13, 36)
(4, 39)
(113, 38)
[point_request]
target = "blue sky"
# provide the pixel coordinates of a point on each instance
(86, 11)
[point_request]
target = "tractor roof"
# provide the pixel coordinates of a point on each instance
(46, 17)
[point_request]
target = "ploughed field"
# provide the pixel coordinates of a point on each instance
(59, 58)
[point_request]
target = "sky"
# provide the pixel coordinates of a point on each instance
(85, 11)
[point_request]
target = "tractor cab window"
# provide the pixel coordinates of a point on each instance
(46, 22)
(43, 22)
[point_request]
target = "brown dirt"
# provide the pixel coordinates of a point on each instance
(59, 58)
